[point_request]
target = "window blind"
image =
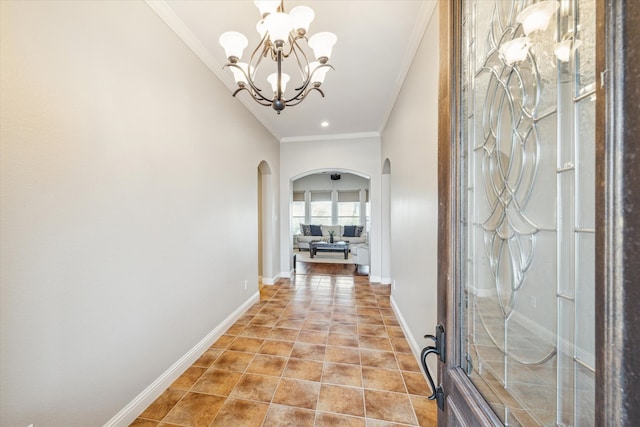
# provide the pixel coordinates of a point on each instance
(349, 196)
(321, 196)
(298, 196)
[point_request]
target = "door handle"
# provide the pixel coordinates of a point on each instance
(437, 393)
(423, 358)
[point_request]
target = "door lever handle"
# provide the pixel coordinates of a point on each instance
(423, 358)
(437, 393)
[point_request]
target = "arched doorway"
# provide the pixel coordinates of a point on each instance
(386, 222)
(265, 225)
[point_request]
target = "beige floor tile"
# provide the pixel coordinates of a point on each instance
(309, 370)
(163, 404)
(267, 365)
(233, 361)
(383, 379)
(342, 374)
(255, 387)
(316, 350)
(236, 412)
(342, 355)
(276, 348)
(218, 382)
(195, 409)
(287, 416)
(297, 393)
(388, 406)
(188, 378)
(341, 400)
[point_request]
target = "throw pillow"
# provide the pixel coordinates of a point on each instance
(316, 230)
(305, 229)
(359, 230)
(349, 231)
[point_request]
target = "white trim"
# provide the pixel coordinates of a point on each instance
(425, 15)
(134, 408)
(375, 279)
(386, 280)
(413, 344)
(167, 14)
(415, 347)
(270, 280)
(334, 137)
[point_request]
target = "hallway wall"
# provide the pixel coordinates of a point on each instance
(128, 206)
(409, 141)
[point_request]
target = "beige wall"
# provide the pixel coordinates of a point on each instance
(409, 142)
(126, 213)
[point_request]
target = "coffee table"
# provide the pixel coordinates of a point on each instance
(318, 245)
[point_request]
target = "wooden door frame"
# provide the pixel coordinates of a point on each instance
(617, 217)
(618, 213)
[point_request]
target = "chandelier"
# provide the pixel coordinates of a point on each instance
(281, 38)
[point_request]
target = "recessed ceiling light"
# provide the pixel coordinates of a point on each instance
(324, 124)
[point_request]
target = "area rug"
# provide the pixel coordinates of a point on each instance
(323, 257)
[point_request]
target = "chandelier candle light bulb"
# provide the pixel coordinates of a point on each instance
(281, 37)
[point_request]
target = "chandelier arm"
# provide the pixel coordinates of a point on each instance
(262, 100)
(256, 91)
(290, 102)
(306, 75)
(306, 83)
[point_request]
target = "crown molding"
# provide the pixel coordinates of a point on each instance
(334, 137)
(164, 11)
(425, 15)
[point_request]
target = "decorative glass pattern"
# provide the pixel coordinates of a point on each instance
(527, 168)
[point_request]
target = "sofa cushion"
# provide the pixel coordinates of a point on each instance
(305, 229)
(316, 230)
(349, 231)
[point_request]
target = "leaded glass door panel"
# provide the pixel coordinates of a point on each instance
(525, 224)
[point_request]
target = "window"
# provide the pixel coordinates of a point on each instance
(297, 212)
(329, 207)
(349, 207)
(321, 207)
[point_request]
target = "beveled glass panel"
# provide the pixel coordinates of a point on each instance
(527, 265)
(586, 164)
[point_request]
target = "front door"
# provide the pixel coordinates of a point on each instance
(525, 207)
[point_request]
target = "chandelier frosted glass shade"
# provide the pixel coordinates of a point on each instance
(267, 6)
(282, 36)
(234, 44)
(302, 18)
(515, 50)
(537, 16)
(322, 44)
(278, 25)
(273, 81)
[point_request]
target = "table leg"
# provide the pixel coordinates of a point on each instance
(346, 253)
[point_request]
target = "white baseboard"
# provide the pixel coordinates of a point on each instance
(286, 274)
(270, 280)
(134, 408)
(413, 344)
(415, 347)
(375, 279)
(385, 280)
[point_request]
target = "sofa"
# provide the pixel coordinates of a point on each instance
(353, 234)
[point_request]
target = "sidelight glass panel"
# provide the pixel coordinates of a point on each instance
(527, 165)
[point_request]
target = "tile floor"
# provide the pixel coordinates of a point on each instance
(317, 350)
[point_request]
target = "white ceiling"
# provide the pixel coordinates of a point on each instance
(377, 40)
